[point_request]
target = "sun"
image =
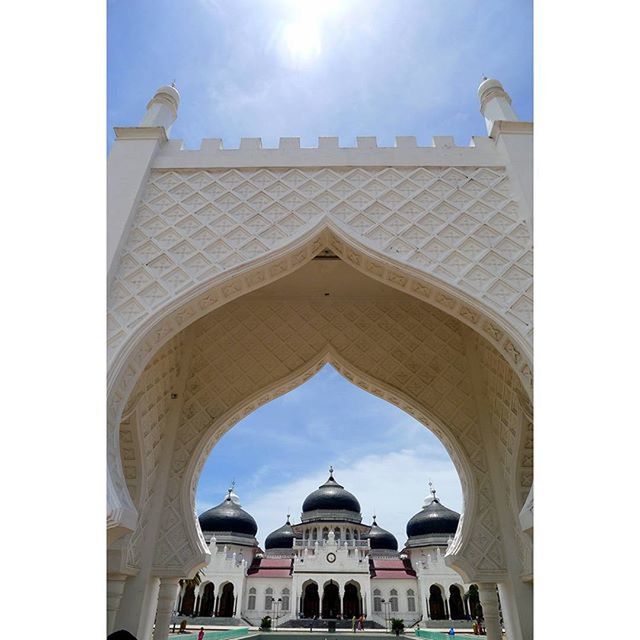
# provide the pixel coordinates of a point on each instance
(303, 41)
(303, 33)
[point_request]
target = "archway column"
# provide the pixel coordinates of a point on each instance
(491, 613)
(169, 588)
(115, 589)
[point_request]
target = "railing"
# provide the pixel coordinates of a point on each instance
(350, 544)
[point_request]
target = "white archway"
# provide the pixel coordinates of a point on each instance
(169, 320)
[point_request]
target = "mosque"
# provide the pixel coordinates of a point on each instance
(329, 566)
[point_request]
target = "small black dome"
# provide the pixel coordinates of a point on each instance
(228, 517)
(331, 496)
(281, 538)
(434, 518)
(380, 538)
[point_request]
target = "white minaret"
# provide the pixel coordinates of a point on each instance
(495, 103)
(162, 109)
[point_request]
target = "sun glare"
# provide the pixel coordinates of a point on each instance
(303, 41)
(304, 32)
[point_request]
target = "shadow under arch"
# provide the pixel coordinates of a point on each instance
(354, 375)
(184, 310)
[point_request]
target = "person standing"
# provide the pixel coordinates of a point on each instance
(201, 634)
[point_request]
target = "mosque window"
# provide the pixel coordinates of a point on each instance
(348, 534)
(411, 600)
(268, 598)
(285, 599)
(325, 533)
(377, 600)
(393, 599)
(306, 534)
(252, 599)
(337, 533)
(315, 534)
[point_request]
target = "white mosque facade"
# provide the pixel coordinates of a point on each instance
(329, 566)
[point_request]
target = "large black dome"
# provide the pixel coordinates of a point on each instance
(228, 517)
(331, 496)
(380, 538)
(434, 518)
(281, 538)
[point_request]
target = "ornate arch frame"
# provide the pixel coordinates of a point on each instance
(127, 365)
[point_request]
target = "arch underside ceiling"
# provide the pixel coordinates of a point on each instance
(459, 228)
(253, 350)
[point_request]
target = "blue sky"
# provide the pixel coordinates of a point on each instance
(272, 68)
(281, 453)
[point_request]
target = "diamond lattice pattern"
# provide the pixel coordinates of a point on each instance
(461, 225)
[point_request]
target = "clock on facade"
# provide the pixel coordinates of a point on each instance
(331, 557)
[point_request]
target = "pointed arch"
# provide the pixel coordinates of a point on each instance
(133, 355)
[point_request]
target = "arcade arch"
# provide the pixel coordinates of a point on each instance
(226, 604)
(207, 600)
(387, 342)
(310, 600)
(352, 600)
(330, 599)
(436, 603)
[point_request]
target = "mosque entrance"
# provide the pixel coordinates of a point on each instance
(475, 609)
(456, 608)
(188, 600)
(331, 600)
(206, 605)
(436, 603)
(225, 606)
(351, 602)
(311, 601)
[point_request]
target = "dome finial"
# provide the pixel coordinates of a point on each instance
(431, 489)
(330, 469)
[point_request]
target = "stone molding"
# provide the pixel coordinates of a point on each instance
(141, 133)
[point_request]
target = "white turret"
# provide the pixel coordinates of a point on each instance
(162, 109)
(495, 103)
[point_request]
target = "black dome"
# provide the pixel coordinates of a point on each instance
(228, 517)
(281, 538)
(380, 538)
(434, 518)
(331, 496)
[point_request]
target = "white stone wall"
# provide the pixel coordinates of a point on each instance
(261, 584)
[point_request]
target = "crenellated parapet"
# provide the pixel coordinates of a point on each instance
(251, 153)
